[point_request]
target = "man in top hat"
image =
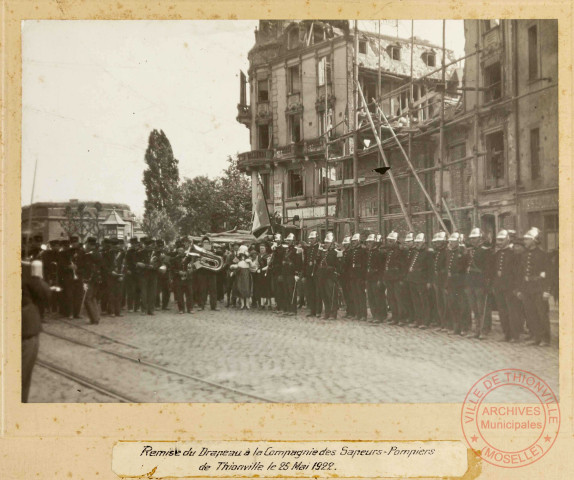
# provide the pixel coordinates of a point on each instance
(418, 280)
(478, 267)
(164, 277)
(532, 287)
(291, 272)
(503, 286)
(131, 276)
(373, 280)
(437, 276)
(275, 270)
(312, 293)
(357, 273)
(392, 274)
(327, 277)
(455, 263)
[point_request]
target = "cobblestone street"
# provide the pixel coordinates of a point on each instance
(282, 359)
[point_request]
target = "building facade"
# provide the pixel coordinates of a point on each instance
(59, 220)
(480, 132)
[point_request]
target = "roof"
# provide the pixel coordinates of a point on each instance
(113, 219)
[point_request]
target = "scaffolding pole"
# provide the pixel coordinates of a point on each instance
(441, 131)
(390, 173)
(413, 170)
(475, 149)
(379, 159)
(355, 128)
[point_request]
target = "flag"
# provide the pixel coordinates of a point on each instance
(261, 221)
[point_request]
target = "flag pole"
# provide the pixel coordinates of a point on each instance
(31, 209)
(265, 201)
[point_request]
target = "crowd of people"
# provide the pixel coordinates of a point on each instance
(451, 285)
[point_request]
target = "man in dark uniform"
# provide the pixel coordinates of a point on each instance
(207, 280)
(131, 276)
(182, 280)
(454, 268)
(532, 287)
(50, 269)
(163, 281)
(145, 280)
(89, 269)
(478, 264)
(392, 271)
(275, 270)
(418, 281)
(357, 271)
(327, 277)
(382, 291)
(438, 279)
(75, 282)
(108, 261)
(407, 248)
(65, 274)
(116, 279)
(373, 280)
(312, 294)
(503, 285)
(231, 259)
(291, 271)
(344, 278)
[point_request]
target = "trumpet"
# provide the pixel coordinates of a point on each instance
(207, 260)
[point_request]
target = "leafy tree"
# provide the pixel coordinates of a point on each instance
(200, 201)
(161, 177)
(235, 193)
(157, 224)
(82, 221)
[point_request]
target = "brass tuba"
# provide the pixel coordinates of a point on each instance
(207, 260)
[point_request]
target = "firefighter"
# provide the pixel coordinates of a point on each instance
(438, 279)
(373, 279)
(312, 293)
(418, 280)
(392, 272)
(291, 272)
(344, 277)
(454, 286)
(357, 273)
(327, 277)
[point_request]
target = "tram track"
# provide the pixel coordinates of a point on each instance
(153, 366)
(84, 381)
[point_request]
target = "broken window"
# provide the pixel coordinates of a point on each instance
(429, 58)
(492, 82)
(325, 121)
(532, 53)
(535, 153)
(263, 90)
(294, 79)
(362, 46)
(495, 160)
(323, 178)
(395, 53)
(324, 70)
(318, 34)
(295, 181)
(295, 128)
(264, 137)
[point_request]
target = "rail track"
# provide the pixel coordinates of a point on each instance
(136, 360)
(85, 382)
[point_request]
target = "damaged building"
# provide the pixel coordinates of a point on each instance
(470, 141)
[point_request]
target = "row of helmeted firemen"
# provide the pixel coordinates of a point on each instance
(452, 286)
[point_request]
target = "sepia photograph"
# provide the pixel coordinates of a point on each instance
(288, 211)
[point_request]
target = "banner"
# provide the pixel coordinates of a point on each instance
(261, 220)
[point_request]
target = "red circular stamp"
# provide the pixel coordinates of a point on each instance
(510, 435)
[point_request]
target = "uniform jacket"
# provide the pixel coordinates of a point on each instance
(455, 267)
(394, 265)
(504, 269)
(276, 262)
(373, 264)
(532, 275)
(357, 262)
(478, 265)
(310, 256)
(438, 267)
(419, 266)
(35, 298)
(292, 261)
(130, 260)
(327, 264)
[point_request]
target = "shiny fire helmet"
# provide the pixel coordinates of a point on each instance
(371, 238)
(346, 240)
(475, 233)
(393, 236)
(329, 237)
(356, 237)
(420, 238)
(533, 233)
(312, 235)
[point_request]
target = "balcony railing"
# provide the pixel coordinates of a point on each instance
(291, 151)
(254, 158)
(315, 146)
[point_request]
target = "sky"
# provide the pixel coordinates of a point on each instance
(94, 90)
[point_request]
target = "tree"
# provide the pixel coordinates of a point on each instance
(235, 193)
(157, 224)
(161, 177)
(200, 201)
(82, 221)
